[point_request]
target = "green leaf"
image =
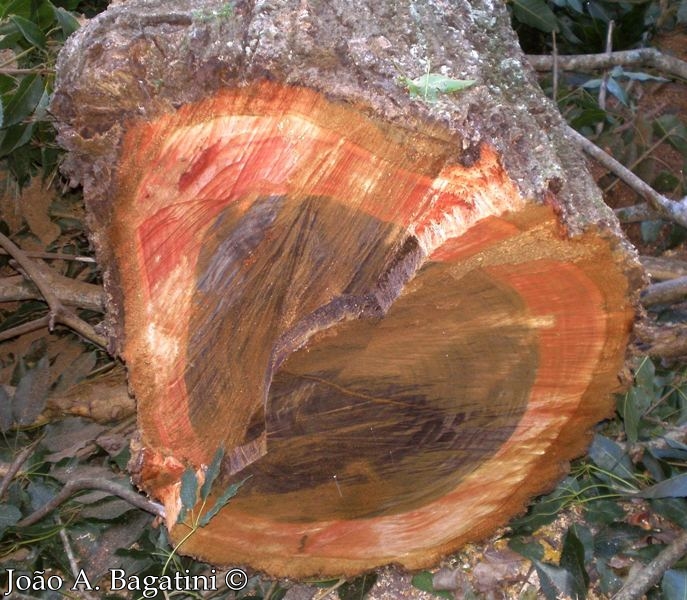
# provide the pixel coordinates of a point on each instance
(531, 550)
(20, 7)
(358, 588)
(617, 90)
(674, 509)
(645, 375)
(672, 125)
(2, 114)
(615, 464)
(555, 581)
(188, 493)
(423, 581)
(675, 487)
(9, 515)
(674, 584)
(211, 474)
(572, 560)
(535, 13)
(228, 494)
(67, 21)
(30, 31)
(24, 100)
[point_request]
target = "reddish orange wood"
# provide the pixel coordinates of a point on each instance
(398, 349)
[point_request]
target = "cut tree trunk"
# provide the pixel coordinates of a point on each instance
(397, 313)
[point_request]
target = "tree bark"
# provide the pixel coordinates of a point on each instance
(398, 315)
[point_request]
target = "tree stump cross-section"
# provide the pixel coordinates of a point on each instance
(395, 341)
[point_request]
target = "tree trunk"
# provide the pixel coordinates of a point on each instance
(398, 310)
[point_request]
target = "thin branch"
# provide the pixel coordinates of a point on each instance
(55, 256)
(637, 213)
(662, 268)
(9, 71)
(665, 340)
(636, 586)
(676, 211)
(556, 70)
(25, 328)
(665, 292)
(92, 483)
(603, 88)
(58, 313)
(647, 57)
(16, 465)
(70, 291)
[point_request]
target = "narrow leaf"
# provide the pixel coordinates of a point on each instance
(67, 21)
(188, 495)
(535, 13)
(572, 560)
(211, 474)
(617, 90)
(611, 458)
(30, 31)
(675, 487)
(24, 100)
(228, 494)
(555, 581)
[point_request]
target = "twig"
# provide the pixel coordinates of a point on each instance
(73, 565)
(603, 88)
(70, 291)
(15, 466)
(636, 586)
(325, 592)
(665, 292)
(554, 56)
(648, 57)
(91, 483)
(648, 152)
(9, 71)
(25, 328)
(55, 256)
(676, 211)
(666, 340)
(662, 268)
(637, 213)
(58, 313)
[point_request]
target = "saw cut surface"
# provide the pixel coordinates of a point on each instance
(383, 340)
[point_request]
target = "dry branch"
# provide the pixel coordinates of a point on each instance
(661, 268)
(673, 210)
(646, 57)
(665, 292)
(58, 313)
(90, 483)
(639, 584)
(69, 291)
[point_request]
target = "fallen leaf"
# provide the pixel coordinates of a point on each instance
(35, 207)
